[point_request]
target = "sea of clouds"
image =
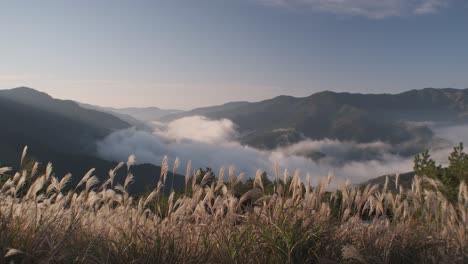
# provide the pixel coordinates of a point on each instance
(214, 144)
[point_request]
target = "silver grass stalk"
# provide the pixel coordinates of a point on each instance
(174, 170)
(90, 183)
(220, 178)
(176, 165)
(308, 187)
(285, 176)
(128, 180)
(49, 170)
(385, 188)
(188, 173)
(397, 179)
(131, 161)
(194, 179)
(239, 178)
(276, 171)
(258, 180)
(85, 177)
(34, 169)
(23, 155)
(330, 177)
(164, 169)
(12, 252)
(205, 178)
(231, 176)
(5, 170)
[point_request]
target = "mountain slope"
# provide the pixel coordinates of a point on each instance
(124, 117)
(47, 125)
(63, 133)
(65, 108)
(23, 124)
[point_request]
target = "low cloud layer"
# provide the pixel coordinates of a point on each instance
(198, 129)
(212, 143)
(368, 8)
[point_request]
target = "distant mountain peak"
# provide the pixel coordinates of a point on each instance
(26, 91)
(284, 97)
(24, 88)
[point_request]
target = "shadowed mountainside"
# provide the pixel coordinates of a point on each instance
(60, 132)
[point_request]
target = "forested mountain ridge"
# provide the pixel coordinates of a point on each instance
(392, 118)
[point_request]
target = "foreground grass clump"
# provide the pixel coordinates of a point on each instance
(43, 220)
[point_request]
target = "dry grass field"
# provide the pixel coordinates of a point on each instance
(43, 220)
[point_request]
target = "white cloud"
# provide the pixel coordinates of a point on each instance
(151, 148)
(199, 129)
(213, 143)
(338, 152)
(368, 8)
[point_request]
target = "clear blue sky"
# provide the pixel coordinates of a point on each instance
(182, 54)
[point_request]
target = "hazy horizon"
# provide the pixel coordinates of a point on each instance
(220, 103)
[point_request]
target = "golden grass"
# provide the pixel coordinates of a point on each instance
(42, 220)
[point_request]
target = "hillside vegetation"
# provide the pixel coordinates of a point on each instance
(43, 219)
(450, 176)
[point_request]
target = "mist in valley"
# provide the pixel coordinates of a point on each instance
(216, 144)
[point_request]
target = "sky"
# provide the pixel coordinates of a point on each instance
(189, 53)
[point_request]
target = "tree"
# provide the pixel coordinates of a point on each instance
(451, 176)
(425, 166)
(458, 166)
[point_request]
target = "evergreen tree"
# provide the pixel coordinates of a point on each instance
(458, 166)
(451, 176)
(425, 166)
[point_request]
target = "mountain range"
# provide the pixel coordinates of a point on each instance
(66, 132)
(403, 119)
